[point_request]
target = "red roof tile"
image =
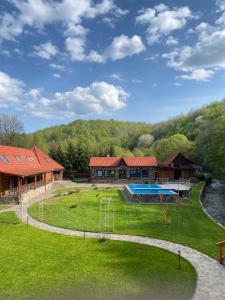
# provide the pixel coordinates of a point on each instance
(104, 161)
(25, 162)
(129, 161)
(141, 161)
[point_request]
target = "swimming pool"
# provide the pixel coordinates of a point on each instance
(148, 193)
(149, 189)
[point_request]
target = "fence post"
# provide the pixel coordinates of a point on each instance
(179, 259)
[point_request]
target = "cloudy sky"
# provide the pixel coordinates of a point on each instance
(133, 60)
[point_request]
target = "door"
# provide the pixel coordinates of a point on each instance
(177, 173)
(122, 174)
(12, 183)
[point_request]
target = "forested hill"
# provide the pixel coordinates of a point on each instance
(199, 134)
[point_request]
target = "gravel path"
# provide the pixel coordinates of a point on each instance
(211, 275)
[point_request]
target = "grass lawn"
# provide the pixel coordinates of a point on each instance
(185, 224)
(4, 206)
(39, 265)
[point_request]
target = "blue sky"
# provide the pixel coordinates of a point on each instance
(128, 60)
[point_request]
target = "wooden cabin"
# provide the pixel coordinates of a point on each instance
(177, 166)
(109, 169)
(22, 170)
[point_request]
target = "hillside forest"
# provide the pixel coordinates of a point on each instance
(199, 134)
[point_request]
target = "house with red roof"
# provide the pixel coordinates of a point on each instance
(122, 168)
(23, 170)
(109, 169)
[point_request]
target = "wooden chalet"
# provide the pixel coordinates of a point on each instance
(106, 169)
(177, 166)
(109, 169)
(23, 170)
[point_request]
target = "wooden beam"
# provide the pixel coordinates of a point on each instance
(19, 188)
(1, 185)
(45, 182)
(35, 182)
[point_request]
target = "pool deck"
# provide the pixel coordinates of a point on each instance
(175, 186)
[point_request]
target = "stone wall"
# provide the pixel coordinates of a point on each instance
(33, 193)
(153, 199)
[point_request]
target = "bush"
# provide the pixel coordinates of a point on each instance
(200, 177)
(73, 206)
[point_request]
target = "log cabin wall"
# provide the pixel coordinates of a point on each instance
(187, 173)
(4, 184)
(49, 177)
(165, 173)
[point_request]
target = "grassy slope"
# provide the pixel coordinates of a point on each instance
(189, 225)
(39, 265)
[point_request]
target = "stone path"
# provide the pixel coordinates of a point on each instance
(211, 275)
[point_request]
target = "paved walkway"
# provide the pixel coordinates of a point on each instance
(211, 275)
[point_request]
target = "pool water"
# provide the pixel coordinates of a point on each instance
(149, 189)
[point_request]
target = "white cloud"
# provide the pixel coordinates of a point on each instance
(9, 27)
(117, 76)
(10, 90)
(76, 30)
(38, 13)
(198, 74)
(18, 51)
(201, 60)
(56, 75)
(220, 4)
(46, 51)
(121, 47)
(6, 53)
(35, 93)
(161, 20)
(76, 48)
(94, 56)
(137, 81)
(171, 41)
(152, 58)
(208, 52)
(116, 15)
(57, 67)
(98, 98)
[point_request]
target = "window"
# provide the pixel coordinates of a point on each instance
(48, 159)
(4, 158)
(135, 173)
(19, 158)
(31, 158)
(99, 173)
(109, 173)
(145, 173)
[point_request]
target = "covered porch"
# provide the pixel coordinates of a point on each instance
(13, 187)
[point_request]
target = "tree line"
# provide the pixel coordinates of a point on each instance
(199, 134)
